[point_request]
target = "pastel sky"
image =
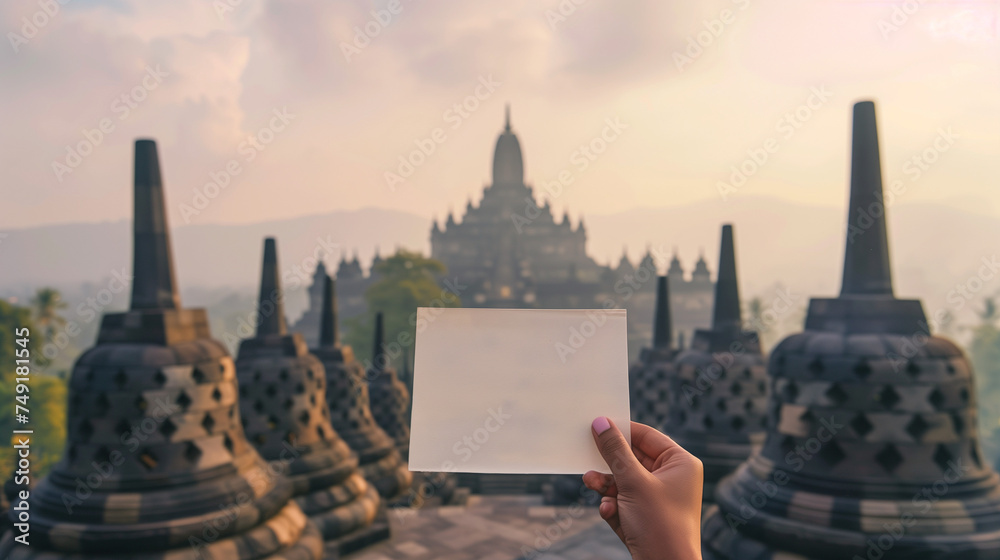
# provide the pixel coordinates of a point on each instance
(201, 76)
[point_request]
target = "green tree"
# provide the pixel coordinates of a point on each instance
(45, 306)
(984, 352)
(408, 280)
(46, 402)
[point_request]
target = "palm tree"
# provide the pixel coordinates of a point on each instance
(46, 305)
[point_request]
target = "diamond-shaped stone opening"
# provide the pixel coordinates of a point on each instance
(304, 417)
(788, 444)
(862, 369)
(950, 369)
(260, 439)
(912, 369)
(791, 391)
(168, 428)
(208, 422)
(736, 389)
(147, 459)
(101, 405)
(183, 401)
(942, 457)
(312, 399)
(120, 378)
(283, 375)
(243, 390)
(102, 455)
(936, 398)
(808, 417)
(123, 427)
(695, 402)
(816, 366)
(300, 388)
(326, 412)
(964, 395)
(288, 404)
(272, 422)
(682, 416)
(837, 394)
(320, 432)
(737, 423)
(198, 375)
(271, 390)
(917, 427)
(192, 453)
(888, 397)
(889, 458)
(748, 405)
(217, 395)
(708, 422)
(958, 423)
(160, 378)
(831, 453)
(140, 403)
(89, 376)
(243, 422)
(310, 373)
(256, 375)
(721, 404)
(861, 425)
(761, 386)
(227, 442)
(258, 406)
(747, 373)
(290, 437)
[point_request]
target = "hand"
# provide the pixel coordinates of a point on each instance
(652, 499)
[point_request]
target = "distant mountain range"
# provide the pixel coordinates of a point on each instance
(777, 242)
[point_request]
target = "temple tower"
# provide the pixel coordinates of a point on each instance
(153, 417)
(350, 411)
(390, 400)
(871, 448)
(285, 415)
(718, 397)
(649, 378)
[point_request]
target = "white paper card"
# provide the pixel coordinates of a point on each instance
(515, 390)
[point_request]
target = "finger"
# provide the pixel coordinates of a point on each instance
(603, 484)
(608, 510)
(616, 451)
(652, 442)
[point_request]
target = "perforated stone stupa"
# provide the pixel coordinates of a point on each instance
(649, 378)
(285, 415)
(872, 449)
(350, 412)
(718, 397)
(153, 430)
(390, 399)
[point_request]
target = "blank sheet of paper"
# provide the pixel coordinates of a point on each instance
(515, 390)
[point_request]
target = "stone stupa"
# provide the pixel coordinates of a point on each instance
(872, 450)
(350, 411)
(649, 378)
(390, 400)
(153, 431)
(718, 396)
(285, 415)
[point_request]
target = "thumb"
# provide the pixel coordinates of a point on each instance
(616, 451)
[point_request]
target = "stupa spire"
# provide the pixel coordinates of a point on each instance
(662, 334)
(377, 346)
(506, 119)
(726, 314)
(270, 303)
(866, 258)
(153, 285)
(329, 332)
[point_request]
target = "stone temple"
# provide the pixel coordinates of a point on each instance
(871, 449)
(285, 415)
(718, 393)
(153, 407)
(649, 378)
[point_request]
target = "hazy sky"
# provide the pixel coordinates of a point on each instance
(201, 76)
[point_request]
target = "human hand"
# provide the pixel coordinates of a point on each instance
(652, 498)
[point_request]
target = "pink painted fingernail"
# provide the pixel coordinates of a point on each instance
(601, 424)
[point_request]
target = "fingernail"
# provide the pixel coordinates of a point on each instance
(601, 424)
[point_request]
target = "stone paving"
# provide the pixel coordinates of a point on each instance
(497, 528)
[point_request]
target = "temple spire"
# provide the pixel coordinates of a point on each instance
(506, 120)
(727, 292)
(153, 286)
(377, 347)
(662, 335)
(329, 332)
(270, 303)
(866, 258)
